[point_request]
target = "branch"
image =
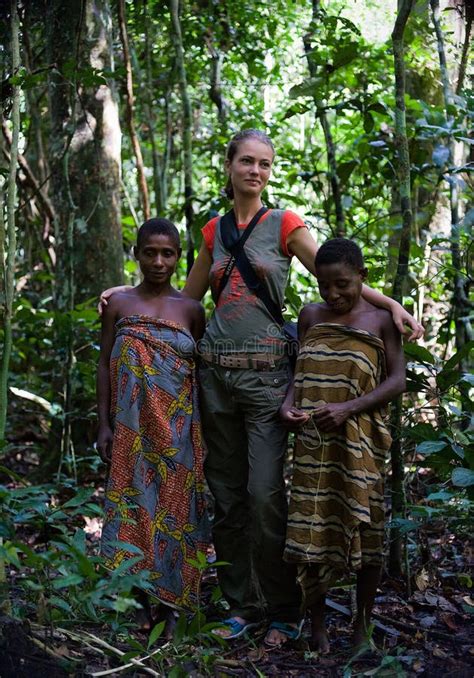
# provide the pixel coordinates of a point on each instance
(330, 145)
(30, 177)
(9, 266)
(465, 51)
(142, 185)
(177, 40)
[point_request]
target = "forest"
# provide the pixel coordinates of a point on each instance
(115, 111)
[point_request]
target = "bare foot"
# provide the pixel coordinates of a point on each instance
(276, 637)
(227, 631)
(319, 640)
(144, 619)
(360, 637)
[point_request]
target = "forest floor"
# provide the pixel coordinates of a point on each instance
(427, 631)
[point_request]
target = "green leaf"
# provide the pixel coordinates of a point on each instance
(306, 88)
(368, 123)
(421, 432)
(346, 54)
(81, 497)
(378, 108)
(59, 602)
(431, 446)
(155, 633)
(345, 169)
(457, 357)
(69, 580)
(420, 353)
(463, 477)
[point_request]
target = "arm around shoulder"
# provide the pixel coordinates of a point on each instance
(394, 358)
(198, 321)
(197, 282)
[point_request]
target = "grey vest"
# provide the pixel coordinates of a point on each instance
(241, 322)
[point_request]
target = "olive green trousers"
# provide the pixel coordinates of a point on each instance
(244, 469)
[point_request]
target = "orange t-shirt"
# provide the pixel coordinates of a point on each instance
(290, 221)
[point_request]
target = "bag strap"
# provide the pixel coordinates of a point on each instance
(234, 242)
(239, 258)
(258, 287)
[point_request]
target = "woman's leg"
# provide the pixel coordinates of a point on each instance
(226, 469)
(368, 579)
(260, 395)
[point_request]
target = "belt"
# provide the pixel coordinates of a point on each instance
(244, 361)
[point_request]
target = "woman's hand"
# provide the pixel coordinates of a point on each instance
(103, 300)
(105, 439)
(401, 318)
(332, 415)
(292, 417)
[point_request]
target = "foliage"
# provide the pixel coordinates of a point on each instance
(245, 66)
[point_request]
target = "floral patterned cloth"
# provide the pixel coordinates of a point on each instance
(155, 494)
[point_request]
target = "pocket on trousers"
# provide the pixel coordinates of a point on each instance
(275, 384)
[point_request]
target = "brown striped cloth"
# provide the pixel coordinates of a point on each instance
(336, 513)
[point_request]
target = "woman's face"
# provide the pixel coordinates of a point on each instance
(250, 168)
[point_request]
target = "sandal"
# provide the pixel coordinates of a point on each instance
(235, 627)
(288, 630)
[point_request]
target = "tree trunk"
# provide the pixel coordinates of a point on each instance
(8, 266)
(130, 106)
(85, 177)
(85, 128)
(404, 185)
(340, 230)
(460, 303)
(187, 130)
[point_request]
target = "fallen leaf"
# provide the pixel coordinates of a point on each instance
(438, 652)
(427, 621)
(418, 666)
(449, 621)
(422, 580)
(256, 655)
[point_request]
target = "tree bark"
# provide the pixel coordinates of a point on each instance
(8, 266)
(460, 301)
(130, 111)
(187, 129)
(321, 114)
(84, 159)
(469, 9)
(85, 125)
(404, 181)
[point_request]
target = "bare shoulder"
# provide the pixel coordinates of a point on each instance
(117, 302)
(387, 326)
(192, 306)
(311, 313)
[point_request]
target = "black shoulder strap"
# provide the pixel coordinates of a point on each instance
(234, 242)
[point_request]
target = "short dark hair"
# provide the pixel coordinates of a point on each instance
(158, 226)
(340, 250)
(234, 144)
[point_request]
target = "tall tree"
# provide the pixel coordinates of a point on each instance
(177, 39)
(8, 265)
(130, 111)
(404, 186)
(85, 177)
(84, 149)
(460, 302)
(322, 116)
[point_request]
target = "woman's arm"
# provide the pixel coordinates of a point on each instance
(198, 322)
(399, 315)
(302, 244)
(331, 416)
(105, 434)
(197, 281)
(291, 416)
